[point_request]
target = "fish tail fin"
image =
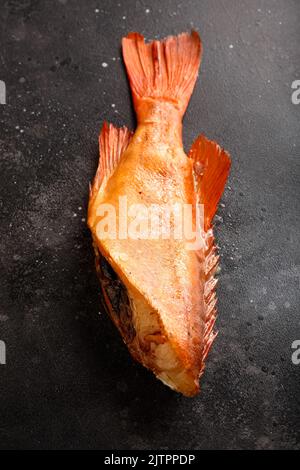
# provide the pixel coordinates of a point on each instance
(165, 70)
(211, 169)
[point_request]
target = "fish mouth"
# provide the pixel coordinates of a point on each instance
(142, 332)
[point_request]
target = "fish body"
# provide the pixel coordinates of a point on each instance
(159, 293)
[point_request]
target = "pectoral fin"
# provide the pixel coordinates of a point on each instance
(211, 169)
(113, 142)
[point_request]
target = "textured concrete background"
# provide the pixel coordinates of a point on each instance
(69, 381)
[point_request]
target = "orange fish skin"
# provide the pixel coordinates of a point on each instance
(169, 289)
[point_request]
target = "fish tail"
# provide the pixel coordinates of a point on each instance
(165, 70)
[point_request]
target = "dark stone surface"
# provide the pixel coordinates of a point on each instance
(69, 381)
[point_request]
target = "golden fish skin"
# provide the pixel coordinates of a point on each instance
(160, 295)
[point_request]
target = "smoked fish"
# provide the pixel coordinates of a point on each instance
(159, 293)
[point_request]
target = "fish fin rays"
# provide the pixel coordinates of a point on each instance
(113, 142)
(211, 169)
(210, 298)
(211, 166)
(165, 70)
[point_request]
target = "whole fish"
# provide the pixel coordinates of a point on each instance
(159, 292)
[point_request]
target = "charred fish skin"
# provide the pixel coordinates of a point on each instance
(115, 299)
(160, 295)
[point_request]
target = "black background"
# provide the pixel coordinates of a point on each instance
(69, 382)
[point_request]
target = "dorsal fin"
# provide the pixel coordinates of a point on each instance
(113, 142)
(211, 169)
(210, 298)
